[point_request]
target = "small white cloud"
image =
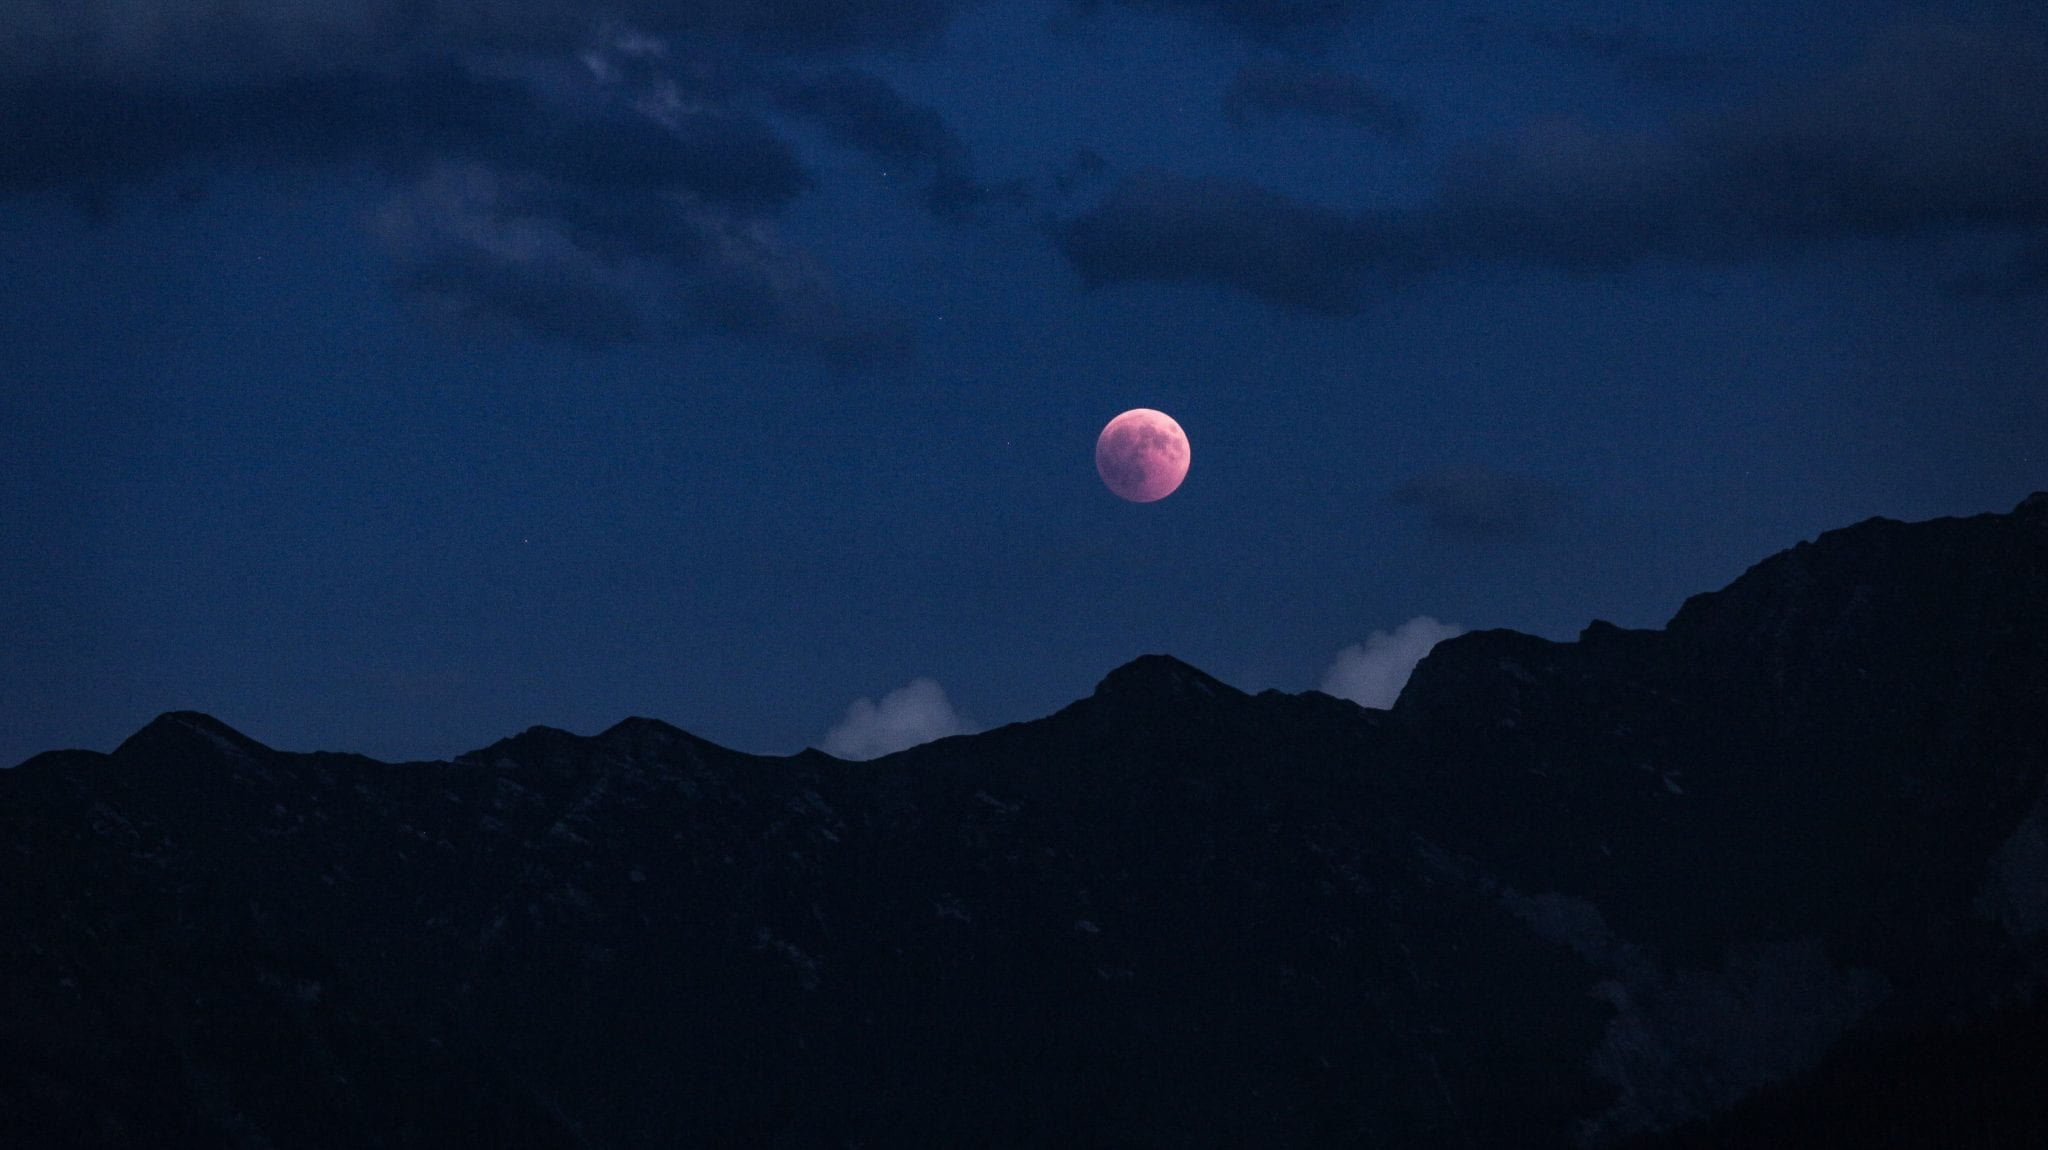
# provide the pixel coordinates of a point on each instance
(1373, 674)
(914, 713)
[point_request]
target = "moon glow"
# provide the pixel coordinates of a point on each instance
(1142, 455)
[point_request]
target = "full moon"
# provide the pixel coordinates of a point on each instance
(1142, 455)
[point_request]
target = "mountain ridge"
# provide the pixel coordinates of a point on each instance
(1562, 894)
(1155, 677)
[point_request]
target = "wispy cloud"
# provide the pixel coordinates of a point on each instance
(481, 250)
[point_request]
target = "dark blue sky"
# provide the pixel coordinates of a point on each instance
(395, 379)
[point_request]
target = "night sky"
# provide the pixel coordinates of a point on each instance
(396, 379)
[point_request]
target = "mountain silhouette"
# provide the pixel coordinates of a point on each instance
(1648, 887)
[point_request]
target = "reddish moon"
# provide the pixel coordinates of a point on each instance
(1142, 455)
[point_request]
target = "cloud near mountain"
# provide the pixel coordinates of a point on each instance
(914, 713)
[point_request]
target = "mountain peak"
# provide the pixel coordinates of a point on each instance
(2034, 506)
(178, 733)
(1153, 679)
(637, 726)
(534, 742)
(643, 734)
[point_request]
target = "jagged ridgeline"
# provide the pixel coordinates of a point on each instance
(1749, 874)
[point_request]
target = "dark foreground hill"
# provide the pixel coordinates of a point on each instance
(1788, 854)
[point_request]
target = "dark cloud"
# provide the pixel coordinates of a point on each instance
(2021, 276)
(754, 283)
(1479, 501)
(717, 155)
(1269, 20)
(863, 111)
(1157, 226)
(555, 177)
(1266, 88)
(483, 252)
(70, 134)
(1935, 129)
(957, 194)
(156, 40)
(1085, 169)
(809, 25)
(108, 135)
(1648, 61)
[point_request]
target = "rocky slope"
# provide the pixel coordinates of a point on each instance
(1563, 894)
